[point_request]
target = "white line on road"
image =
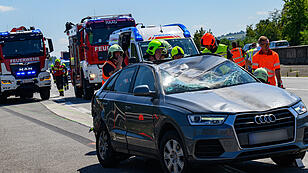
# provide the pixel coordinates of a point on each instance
(299, 89)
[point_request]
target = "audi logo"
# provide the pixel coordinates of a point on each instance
(265, 119)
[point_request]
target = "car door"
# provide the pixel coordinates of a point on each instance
(116, 102)
(139, 114)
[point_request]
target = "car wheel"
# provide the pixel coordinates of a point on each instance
(172, 153)
(45, 93)
(288, 160)
(105, 153)
(3, 98)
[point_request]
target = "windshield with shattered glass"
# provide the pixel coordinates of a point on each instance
(187, 76)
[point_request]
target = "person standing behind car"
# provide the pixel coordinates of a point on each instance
(238, 55)
(252, 51)
(154, 51)
(268, 59)
(211, 46)
(177, 52)
(114, 62)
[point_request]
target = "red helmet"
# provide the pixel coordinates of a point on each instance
(207, 39)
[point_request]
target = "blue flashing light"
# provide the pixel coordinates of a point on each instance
(36, 31)
(138, 37)
(29, 72)
(4, 33)
(186, 32)
(18, 74)
(33, 72)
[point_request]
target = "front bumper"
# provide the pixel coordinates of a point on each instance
(10, 85)
(206, 144)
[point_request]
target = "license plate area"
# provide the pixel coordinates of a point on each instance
(27, 81)
(269, 136)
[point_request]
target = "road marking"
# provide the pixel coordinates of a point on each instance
(76, 137)
(299, 89)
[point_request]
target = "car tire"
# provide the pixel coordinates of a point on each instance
(45, 93)
(104, 151)
(173, 154)
(288, 160)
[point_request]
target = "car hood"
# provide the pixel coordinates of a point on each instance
(235, 99)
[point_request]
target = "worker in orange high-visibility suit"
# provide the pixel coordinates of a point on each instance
(238, 55)
(114, 63)
(269, 60)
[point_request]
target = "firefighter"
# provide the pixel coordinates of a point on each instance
(211, 46)
(261, 74)
(253, 50)
(238, 55)
(155, 51)
(58, 72)
(114, 62)
(165, 51)
(65, 77)
(177, 52)
(268, 59)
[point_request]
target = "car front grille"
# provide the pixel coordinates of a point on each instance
(208, 148)
(245, 126)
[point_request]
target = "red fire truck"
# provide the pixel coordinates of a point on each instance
(24, 63)
(88, 47)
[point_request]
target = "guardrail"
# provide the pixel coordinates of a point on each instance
(293, 55)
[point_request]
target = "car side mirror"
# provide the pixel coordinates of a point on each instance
(143, 90)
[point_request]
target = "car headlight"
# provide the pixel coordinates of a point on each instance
(6, 82)
(300, 108)
(206, 119)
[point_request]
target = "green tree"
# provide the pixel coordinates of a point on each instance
(197, 37)
(294, 20)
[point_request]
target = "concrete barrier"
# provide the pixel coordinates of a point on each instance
(293, 55)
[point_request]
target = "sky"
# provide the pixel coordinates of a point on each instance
(222, 17)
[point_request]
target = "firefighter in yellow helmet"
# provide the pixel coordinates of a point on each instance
(177, 52)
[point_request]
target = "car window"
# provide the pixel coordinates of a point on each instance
(145, 76)
(124, 80)
(112, 81)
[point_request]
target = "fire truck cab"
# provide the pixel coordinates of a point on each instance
(135, 40)
(24, 63)
(88, 47)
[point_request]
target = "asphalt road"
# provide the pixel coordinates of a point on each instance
(52, 136)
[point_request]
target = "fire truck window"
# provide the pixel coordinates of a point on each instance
(90, 37)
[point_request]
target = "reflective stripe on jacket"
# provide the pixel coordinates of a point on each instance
(58, 70)
(268, 61)
(238, 56)
(105, 77)
(221, 50)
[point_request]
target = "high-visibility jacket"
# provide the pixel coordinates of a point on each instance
(104, 76)
(221, 50)
(58, 70)
(238, 56)
(269, 61)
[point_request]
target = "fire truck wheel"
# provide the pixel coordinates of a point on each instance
(87, 89)
(78, 91)
(3, 98)
(45, 93)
